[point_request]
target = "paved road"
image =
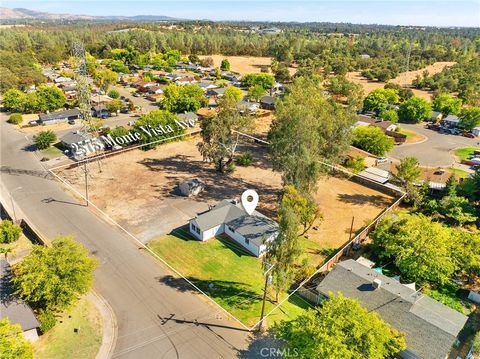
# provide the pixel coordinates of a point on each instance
(130, 279)
(436, 151)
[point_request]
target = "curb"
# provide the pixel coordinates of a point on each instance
(110, 327)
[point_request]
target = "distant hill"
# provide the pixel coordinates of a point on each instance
(27, 14)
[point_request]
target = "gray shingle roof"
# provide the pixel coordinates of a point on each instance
(59, 115)
(430, 327)
(255, 227)
(11, 307)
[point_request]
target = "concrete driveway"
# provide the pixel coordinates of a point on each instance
(436, 150)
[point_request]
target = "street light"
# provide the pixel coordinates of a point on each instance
(13, 205)
(268, 280)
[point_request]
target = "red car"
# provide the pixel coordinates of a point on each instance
(469, 135)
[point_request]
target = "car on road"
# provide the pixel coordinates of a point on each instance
(468, 134)
(382, 160)
(439, 172)
(136, 94)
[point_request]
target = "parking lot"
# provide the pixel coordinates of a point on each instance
(436, 150)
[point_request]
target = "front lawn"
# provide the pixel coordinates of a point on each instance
(466, 153)
(62, 341)
(458, 172)
(52, 151)
(221, 268)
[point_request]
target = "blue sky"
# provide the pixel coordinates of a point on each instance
(396, 12)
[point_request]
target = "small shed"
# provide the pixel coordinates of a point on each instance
(191, 187)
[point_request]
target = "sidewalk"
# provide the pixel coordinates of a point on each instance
(110, 327)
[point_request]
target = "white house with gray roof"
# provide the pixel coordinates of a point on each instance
(252, 232)
(430, 327)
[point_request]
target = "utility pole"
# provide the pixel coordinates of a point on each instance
(85, 170)
(268, 279)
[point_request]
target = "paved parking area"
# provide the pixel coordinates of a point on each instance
(436, 150)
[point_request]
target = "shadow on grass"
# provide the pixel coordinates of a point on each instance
(232, 294)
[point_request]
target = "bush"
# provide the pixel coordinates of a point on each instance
(9, 232)
(15, 118)
(47, 320)
(113, 94)
(230, 168)
(245, 159)
(44, 139)
(356, 164)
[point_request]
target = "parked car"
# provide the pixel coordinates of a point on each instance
(469, 135)
(439, 172)
(124, 110)
(136, 94)
(382, 160)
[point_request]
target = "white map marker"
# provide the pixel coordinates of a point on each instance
(249, 206)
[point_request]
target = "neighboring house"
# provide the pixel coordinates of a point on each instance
(451, 121)
(385, 126)
(61, 79)
(205, 86)
(375, 174)
(57, 117)
(216, 92)
(191, 187)
(252, 232)
(13, 308)
(436, 116)
(185, 80)
(249, 107)
(100, 111)
(430, 327)
(81, 144)
(476, 131)
(267, 103)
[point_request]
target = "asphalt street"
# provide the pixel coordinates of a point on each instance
(157, 317)
(436, 151)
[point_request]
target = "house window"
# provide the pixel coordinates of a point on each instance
(247, 241)
(194, 228)
(231, 229)
(197, 230)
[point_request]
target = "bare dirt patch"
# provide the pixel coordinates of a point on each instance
(244, 64)
(404, 79)
(138, 190)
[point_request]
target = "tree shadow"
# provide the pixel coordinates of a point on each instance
(239, 295)
(262, 346)
(360, 199)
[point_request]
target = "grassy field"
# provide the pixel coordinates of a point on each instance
(222, 269)
(466, 152)
(63, 342)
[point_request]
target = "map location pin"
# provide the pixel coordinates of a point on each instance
(248, 205)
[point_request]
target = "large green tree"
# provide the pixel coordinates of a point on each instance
(220, 137)
(308, 129)
(340, 328)
(469, 118)
(372, 139)
(13, 344)
(447, 104)
(419, 247)
(378, 99)
(49, 98)
(265, 80)
(54, 277)
(44, 139)
(156, 126)
(183, 98)
(14, 100)
(415, 110)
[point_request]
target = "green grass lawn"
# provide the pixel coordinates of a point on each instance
(412, 136)
(21, 246)
(222, 269)
(52, 151)
(62, 341)
(466, 152)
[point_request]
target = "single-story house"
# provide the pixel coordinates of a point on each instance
(385, 126)
(252, 232)
(436, 116)
(191, 187)
(100, 111)
(205, 86)
(450, 121)
(13, 308)
(250, 107)
(81, 143)
(61, 79)
(430, 327)
(59, 116)
(217, 92)
(231, 76)
(267, 103)
(186, 80)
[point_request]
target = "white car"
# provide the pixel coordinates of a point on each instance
(382, 160)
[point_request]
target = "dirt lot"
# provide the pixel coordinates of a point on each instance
(404, 79)
(244, 64)
(138, 189)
